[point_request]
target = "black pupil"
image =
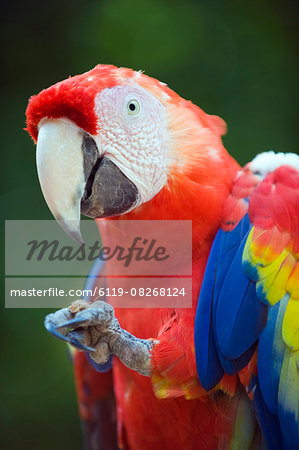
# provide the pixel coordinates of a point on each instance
(132, 106)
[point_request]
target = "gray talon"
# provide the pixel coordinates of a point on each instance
(58, 317)
(73, 323)
(96, 330)
(51, 329)
(80, 340)
(80, 346)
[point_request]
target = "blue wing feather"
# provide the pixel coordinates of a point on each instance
(268, 422)
(209, 368)
(288, 399)
(240, 316)
(271, 354)
(210, 358)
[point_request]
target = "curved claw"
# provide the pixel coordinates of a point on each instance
(74, 323)
(75, 343)
(50, 327)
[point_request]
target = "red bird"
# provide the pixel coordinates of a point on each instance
(222, 373)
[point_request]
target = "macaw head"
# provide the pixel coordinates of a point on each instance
(112, 139)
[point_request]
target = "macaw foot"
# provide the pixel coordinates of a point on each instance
(93, 327)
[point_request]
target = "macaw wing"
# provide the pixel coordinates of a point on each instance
(271, 259)
(250, 300)
(223, 308)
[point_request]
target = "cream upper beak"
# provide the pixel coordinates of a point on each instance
(60, 169)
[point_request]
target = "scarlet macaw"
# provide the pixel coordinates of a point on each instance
(224, 373)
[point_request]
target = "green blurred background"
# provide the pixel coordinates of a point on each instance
(233, 58)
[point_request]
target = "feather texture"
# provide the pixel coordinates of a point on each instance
(250, 294)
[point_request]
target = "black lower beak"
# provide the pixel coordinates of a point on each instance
(108, 192)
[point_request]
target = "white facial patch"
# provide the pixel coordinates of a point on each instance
(133, 135)
(267, 162)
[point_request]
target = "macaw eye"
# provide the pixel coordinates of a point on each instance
(133, 107)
